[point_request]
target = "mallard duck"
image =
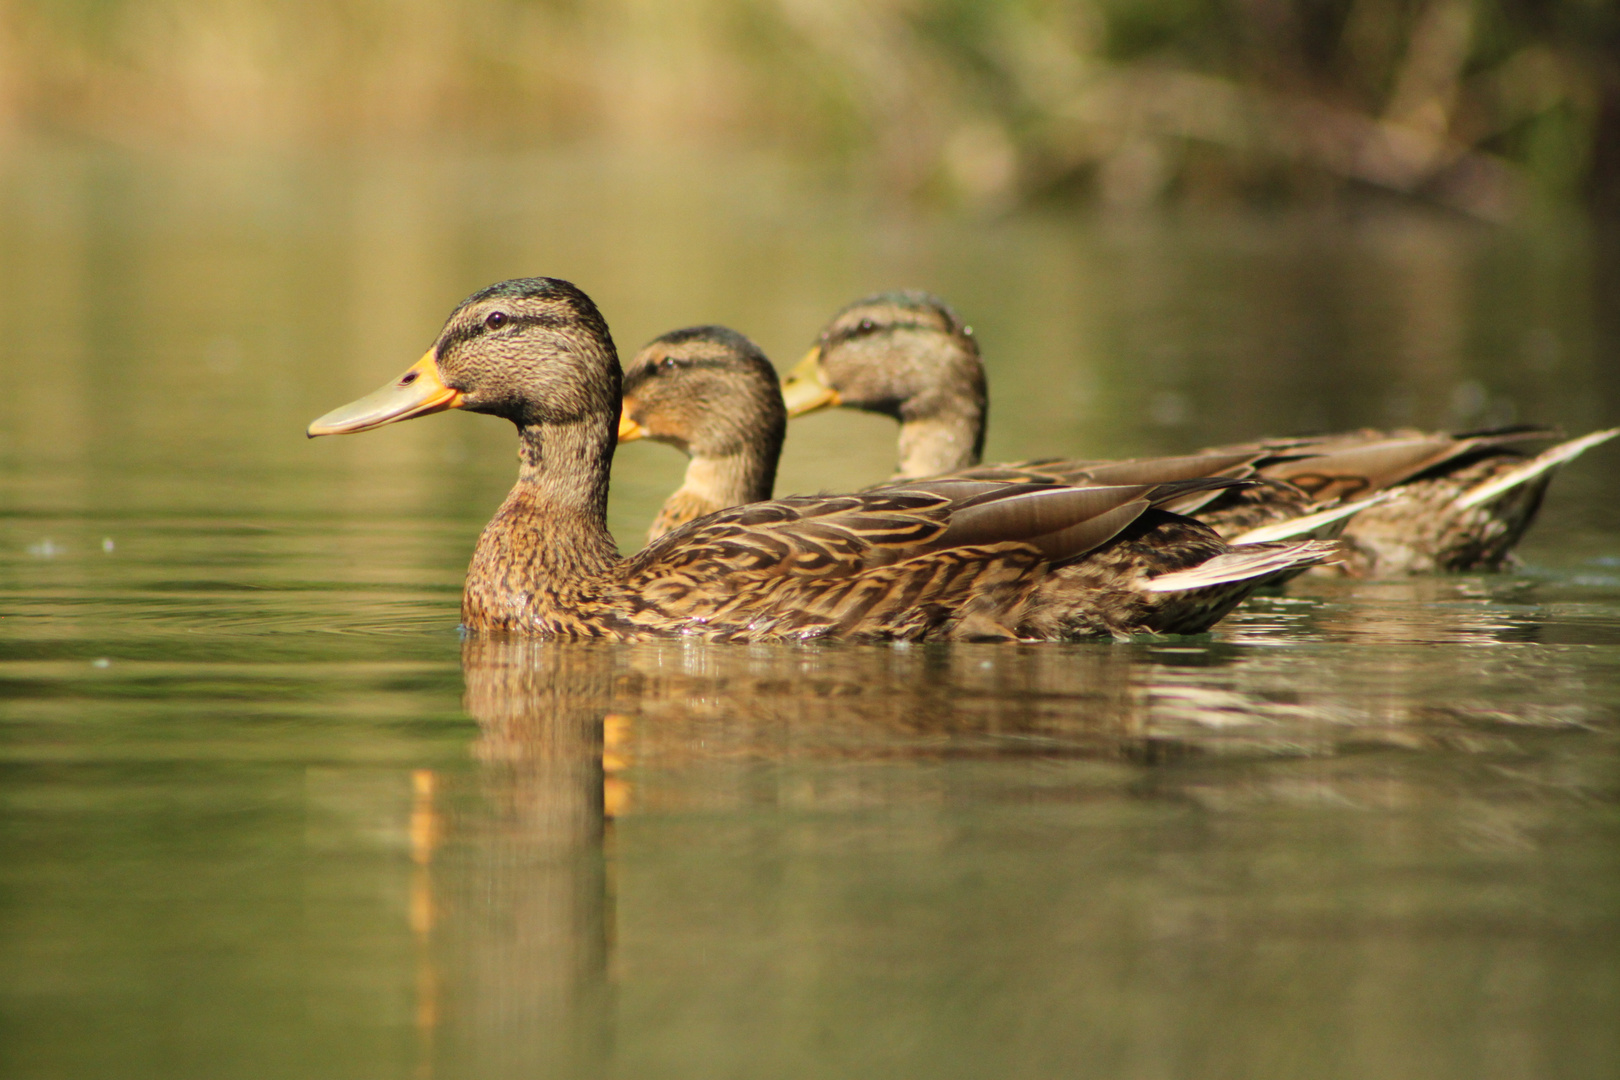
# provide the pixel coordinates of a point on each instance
(711, 393)
(950, 559)
(1416, 501)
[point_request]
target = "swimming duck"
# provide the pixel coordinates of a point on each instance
(937, 560)
(1421, 501)
(711, 393)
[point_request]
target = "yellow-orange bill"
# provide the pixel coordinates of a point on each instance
(804, 390)
(416, 393)
(629, 430)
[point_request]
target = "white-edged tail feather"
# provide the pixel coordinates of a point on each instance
(1309, 523)
(1246, 563)
(1536, 466)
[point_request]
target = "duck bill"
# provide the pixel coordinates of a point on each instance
(805, 389)
(416, 393)
(629, 430)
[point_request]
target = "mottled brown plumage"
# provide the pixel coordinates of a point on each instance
(1442, 514)
(952, 559)
(907, 355)
(711, 393)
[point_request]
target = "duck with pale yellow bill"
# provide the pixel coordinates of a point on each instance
(1412, 501)
(711, 393)
(937, 560)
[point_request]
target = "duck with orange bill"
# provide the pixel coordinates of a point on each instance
(937, 560)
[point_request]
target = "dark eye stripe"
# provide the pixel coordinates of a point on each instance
(866, 328)
(465, 333)
(685, 363)
(552, 321)
(645, 373)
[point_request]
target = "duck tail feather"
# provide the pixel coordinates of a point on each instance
(1247, 563)
(1536, 466)
(1311, 524)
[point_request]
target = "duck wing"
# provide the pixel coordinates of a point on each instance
(1353, 464)
(1233, 464)
(957, 558)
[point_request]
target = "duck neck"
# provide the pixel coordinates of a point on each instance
(945, 439)
(730, 479)
(714, 482)
(551, 532)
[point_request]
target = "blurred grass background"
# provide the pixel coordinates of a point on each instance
(1489, 107)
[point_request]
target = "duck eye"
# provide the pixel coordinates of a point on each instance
(667, 363)
(866, 326)
(496, 320)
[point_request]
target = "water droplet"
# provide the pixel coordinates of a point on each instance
(45, 549)
(107, 544)
(101, 662)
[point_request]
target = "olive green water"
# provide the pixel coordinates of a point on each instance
(264, 814)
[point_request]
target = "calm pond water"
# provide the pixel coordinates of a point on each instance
(263, 813)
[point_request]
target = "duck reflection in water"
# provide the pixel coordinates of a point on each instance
(516, 898)
(522, 882)
(575, 740)
(855, 702)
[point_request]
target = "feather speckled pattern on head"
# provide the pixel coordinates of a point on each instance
(940, 560)
(711, 393)
(907, 355)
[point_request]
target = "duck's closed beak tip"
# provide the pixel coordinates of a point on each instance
(805, 389)
(419, 391)
(629, 430)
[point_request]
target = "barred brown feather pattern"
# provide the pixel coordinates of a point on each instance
(1419, 529)
(969, 558)
(875, 566)
(906, 355)
(1381, 541)
(680, 508)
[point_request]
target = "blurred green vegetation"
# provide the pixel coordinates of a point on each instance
(1486, 106)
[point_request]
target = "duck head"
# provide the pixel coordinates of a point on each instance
(707, 390)
(533, 350)
(905, 355)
